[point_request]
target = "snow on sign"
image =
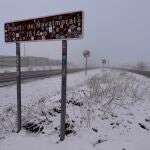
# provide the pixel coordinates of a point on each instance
(63, 26)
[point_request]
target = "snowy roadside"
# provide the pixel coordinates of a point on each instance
(126, 136)
(126, 128)
(34, 90)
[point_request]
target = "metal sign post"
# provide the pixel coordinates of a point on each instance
(63, 89)
(103, 63)
(18, 87)
(86, 66)
(86, 54)
(108, 63)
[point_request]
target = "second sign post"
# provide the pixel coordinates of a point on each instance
(63, 89)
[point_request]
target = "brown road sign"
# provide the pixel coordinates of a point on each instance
(63, 26)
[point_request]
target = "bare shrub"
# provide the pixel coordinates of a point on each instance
(113, 91)
(8, 120)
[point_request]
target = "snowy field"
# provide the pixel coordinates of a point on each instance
(106, 110)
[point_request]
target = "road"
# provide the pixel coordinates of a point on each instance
(10, 78)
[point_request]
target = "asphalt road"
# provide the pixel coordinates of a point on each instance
(10, 78)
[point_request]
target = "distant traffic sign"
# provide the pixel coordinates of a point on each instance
(63, 26)
(103, 61)
(86, 53)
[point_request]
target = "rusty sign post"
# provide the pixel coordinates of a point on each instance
(59, 27)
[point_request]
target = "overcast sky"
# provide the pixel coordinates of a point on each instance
(118, 30)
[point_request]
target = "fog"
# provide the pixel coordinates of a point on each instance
(118, 30)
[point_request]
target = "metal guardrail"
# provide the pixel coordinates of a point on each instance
(141, 72)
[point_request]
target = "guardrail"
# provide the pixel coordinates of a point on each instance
(141, 72)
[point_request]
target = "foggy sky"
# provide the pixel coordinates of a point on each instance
(118, 30)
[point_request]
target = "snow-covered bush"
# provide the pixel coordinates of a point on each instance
(7, 120)
(110, 92)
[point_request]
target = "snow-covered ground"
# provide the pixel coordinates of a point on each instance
(124, 125)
